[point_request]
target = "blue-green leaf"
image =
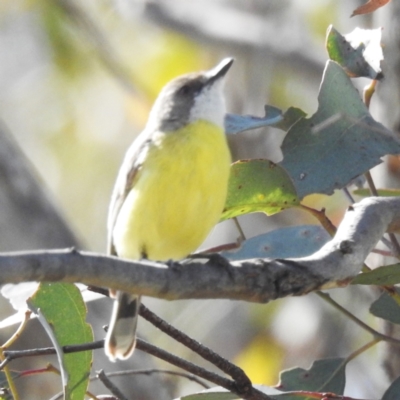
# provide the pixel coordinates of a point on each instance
(387, 308)
(239, 123)
(326, 375)
(339, 142)
(293, 241)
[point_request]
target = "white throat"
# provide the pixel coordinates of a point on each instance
(209, 105)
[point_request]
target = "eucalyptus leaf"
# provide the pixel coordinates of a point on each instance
(258, 186)
(387, 275)
(239, 123)
(289, 242)
(64, 311)
(392, 393)
(327, 375)
(359, 52)
(381, 192)
(338, 143)
(386, 308)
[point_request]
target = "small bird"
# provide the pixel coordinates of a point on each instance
(171, 188)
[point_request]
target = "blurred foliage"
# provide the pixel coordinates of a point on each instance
(164, 56)
(320, 16)
(261, 359)
(69, 53)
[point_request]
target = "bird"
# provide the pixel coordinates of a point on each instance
(171, 188)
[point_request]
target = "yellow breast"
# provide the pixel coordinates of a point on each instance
(178, 196)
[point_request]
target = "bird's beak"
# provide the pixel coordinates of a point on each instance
(220, 70)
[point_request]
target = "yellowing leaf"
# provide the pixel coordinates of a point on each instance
(359, 52)
(258, 186)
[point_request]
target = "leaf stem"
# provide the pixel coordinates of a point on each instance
(377, 335)
(368, 92)
(110, 386)
(321, 217)
(9, 342)
(362, 349)
(242, 236)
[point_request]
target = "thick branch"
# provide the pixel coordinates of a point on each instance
(255, 280)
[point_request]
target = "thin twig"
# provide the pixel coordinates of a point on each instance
(50, 368)
(242, 236)
(110, 386)
(3, 358)
(321, 217)
(371, 184)
(186, 365)
(14, 354)
(388, 244)
(146, 347)
(222, 247)
(362, 349)
(348, 195)
(18, 332)
(377, 335)
(224, 365)
(384, 253)
(248, 393)
(190, 377)
(396, 246)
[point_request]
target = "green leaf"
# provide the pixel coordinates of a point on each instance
(381, 192)
(359, 52)
(65, 312)
(219, 393)
(324, 376)
(338, 143)
(290, 242)
(258, 186)
(386, 308)
(239, 123)
(290, 117)
(387, 275)
(392, 393)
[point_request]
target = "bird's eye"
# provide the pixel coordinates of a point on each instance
(184, 90)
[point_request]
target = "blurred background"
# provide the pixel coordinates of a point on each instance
(77, 80)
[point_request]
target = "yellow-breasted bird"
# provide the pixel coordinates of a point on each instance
(171, 188)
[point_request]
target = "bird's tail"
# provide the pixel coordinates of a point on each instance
(121, 336)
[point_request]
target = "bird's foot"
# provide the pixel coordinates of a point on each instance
(174, 265)
(212, 259)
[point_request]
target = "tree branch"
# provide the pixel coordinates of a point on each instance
(237, 374)
(256, 280)
(110, 386)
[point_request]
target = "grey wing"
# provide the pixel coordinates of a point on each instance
(127, 174)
